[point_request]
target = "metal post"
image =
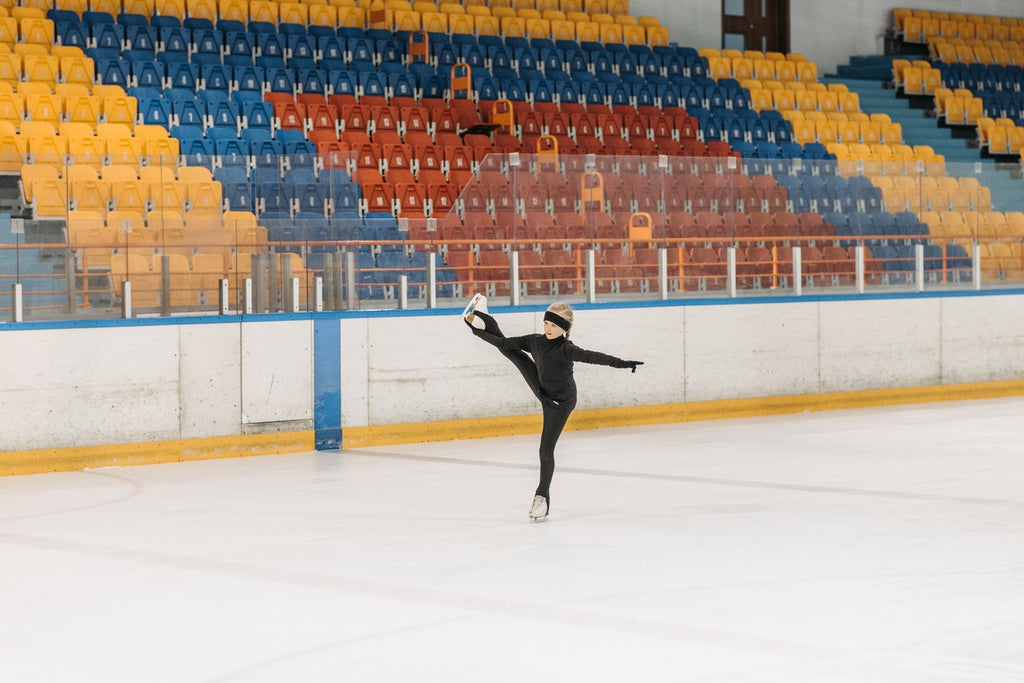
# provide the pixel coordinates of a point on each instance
(663, 273)
(798, 278)
(350, 279)
(919, 266)
(286, 278)
(858, 255)
(976, 266)
(165, 285)
(258, 293)
(247, 297)
(16, 304)
(292, 296)
(403, 292)
(318, 293)
(730, 265)
(328, 278)
(513, 290)
(591, 278)
(222, 298)
(431, 280)
(337, 283)
(273, 291)
(126, 299)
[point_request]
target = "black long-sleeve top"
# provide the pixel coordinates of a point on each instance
(554, 359)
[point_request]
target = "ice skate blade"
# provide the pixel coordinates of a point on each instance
(538, 520)
(467, 312)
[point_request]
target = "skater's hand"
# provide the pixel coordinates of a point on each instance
(632, 364)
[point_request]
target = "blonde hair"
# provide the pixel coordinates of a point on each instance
(562, 310)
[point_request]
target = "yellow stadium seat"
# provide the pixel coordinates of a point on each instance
(10, 67)
(234, 10)
(261, 10)
(169, 195)
(30, 173)
(12, 107)
(352, 17)
(82, 109)
(783, 99)
(611, 33)
(293, 13)
(202, 9)
(588, 31)
(806, 100)
(170, 8)
(826, 131)
(539, 28)
(807, 72)
(90, 195)
(163, 151)
(657, 35)
(41, 68)
(49, 198)
(83, 150)
(434, 22)
(8, 30)
(47, 149)
(205, 196)
(77, 70)
(124, 150)
(461, 23)
(39, 31)
(130, 195)
(120, 109)
(487, 26)
(324, 15)
(513, 27)
(44, 108)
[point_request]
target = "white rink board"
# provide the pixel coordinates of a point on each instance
(981, 343)
(277, 372)
(746, 351)
(880, 344)
(129, 383)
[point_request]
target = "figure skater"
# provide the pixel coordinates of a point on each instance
(548, 374)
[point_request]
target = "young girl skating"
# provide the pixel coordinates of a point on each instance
(549, 375)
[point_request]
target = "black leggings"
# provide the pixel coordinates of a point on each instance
(555, 415)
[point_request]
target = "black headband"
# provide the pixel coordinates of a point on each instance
(558, 320)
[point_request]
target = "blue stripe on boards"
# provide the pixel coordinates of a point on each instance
(327, 383)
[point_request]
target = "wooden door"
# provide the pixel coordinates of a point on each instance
(756, 25)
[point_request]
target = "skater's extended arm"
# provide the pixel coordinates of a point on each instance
(578, 355)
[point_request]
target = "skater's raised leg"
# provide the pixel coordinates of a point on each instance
(527, 368)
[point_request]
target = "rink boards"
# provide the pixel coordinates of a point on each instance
(96, 393)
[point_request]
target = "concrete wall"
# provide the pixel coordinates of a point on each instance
(123, 382)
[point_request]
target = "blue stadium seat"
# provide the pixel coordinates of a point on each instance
(183, 75)
(112, 72)
(157, 112)
(73, 33)
(258, 115)
(249, 78)
(188, 113)
(215, 77)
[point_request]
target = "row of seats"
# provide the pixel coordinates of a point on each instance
(997, 52)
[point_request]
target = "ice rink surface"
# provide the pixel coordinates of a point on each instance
(876, 545)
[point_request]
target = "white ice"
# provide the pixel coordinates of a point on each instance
(876, 545)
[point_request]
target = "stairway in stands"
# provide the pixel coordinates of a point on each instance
(869, 77)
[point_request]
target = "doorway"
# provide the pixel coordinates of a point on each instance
(755, 25)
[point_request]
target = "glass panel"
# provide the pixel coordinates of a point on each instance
(734, 41)
(733, 8)
(175, 228)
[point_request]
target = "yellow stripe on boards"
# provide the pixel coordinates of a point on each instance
(186, 450)
(152, 453)
(387, 435)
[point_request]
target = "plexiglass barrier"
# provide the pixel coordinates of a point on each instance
(395, 228)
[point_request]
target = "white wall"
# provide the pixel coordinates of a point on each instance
(143, 382)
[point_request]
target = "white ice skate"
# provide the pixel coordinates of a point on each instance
(539, 509)
(477, 303)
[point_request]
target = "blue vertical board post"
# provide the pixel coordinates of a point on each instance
(327, 383)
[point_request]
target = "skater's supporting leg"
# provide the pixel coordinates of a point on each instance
(555, 418)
